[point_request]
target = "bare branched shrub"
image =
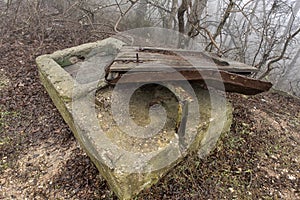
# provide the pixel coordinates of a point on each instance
(40, 19)
(260, 33)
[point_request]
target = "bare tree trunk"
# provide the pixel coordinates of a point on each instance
(181, 12)
(292, 65)
(294, 13)
(248, 30)
(290, 77)
(172, 17)
(222, 23)
(181, 22)
(140, 13)
(194, 18)
(266, 18)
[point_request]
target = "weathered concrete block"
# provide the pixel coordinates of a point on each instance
(129, 164)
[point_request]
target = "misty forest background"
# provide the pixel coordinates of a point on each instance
(262, 33)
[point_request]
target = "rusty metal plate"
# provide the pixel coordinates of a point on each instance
(210, 71)
(132, 57)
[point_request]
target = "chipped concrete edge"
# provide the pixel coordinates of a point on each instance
(59, 84)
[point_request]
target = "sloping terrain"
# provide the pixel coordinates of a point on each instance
(40, 159)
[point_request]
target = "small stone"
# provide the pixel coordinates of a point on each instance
(273, 157)
(285, 170)
(159, 143)
(2, 181)
(245, 125)
(291, 177)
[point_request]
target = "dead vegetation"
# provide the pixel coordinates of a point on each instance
(40, 159)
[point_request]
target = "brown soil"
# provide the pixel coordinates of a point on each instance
(40, 159)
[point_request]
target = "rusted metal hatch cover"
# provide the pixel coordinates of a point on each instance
(149, 62)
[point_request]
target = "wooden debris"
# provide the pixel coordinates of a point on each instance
(149, 66)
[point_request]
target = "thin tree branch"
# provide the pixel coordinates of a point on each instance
(158, 6)
(123, 14)
(285, 46)
(209, 35)
(182, 9)
(222, 23)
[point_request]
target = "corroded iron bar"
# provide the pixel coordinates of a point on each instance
(210, 78)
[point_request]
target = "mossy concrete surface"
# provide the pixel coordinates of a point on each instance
(125, 183)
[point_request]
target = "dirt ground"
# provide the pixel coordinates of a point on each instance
(40, 158)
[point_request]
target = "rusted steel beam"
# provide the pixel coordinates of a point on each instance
(210, 78)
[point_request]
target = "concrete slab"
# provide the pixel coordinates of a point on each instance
(117, 125)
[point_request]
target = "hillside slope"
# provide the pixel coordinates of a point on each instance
(40, 158)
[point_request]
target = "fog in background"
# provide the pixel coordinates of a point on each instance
(262, 33)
